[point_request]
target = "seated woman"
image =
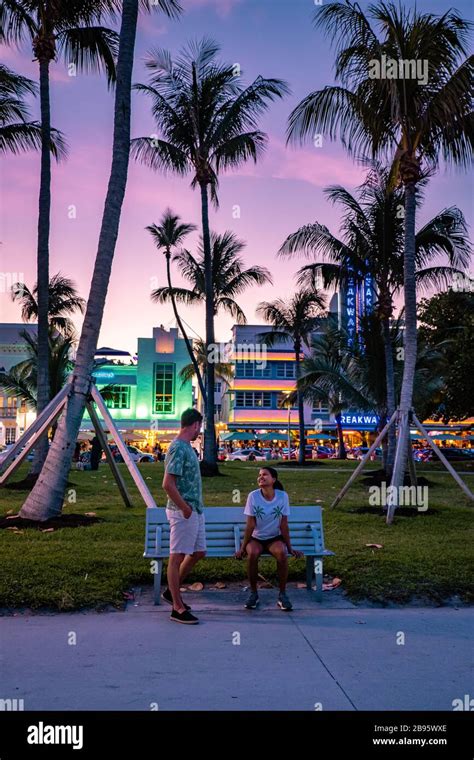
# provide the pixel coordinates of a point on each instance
(267, 511)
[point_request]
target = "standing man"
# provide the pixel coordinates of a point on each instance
(184, 510)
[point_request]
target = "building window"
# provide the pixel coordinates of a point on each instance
(253, 369)
(217, 387)
(319, 407)
(286, 369)
(164, 388)
(253, 399)
(120, 397)
(10, 435)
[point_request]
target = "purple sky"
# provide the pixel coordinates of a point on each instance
(274, 38)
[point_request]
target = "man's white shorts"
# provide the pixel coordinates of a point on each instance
(187, 535)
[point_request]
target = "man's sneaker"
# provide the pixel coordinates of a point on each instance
(253, 601)
(283, 602)
(166, 595)
(183, 617)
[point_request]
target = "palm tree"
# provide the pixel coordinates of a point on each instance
(324, 374)
(70, 28)
(229, 277)
(348, 374)
(207, 123)
(22, 379)
(414, 120)
(63, 299)
(167, 235)
(46, 498)
(222, 370)
(17, 132)
(294, 320)
(372, 242)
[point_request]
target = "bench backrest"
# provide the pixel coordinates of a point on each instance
(225, 530)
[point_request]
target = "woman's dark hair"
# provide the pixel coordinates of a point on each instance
(277, 485)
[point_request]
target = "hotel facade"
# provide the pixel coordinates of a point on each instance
(148, 397)
(263, 378)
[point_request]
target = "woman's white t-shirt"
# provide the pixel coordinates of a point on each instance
(268, 514)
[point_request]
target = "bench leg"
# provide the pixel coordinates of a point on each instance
(157, 582)
(318, 571)
(309, 573)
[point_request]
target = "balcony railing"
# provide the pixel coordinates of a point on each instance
(7, 413)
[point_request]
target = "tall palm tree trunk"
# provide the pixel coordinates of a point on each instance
(44, 212)
(183, 332)
(340, 437)
(410, 341)
(389, 449)
(210, 453)
(46, 498)
(301, 427)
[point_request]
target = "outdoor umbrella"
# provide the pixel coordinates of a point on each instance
(235, 436)
(445, 437)
(130, 436)
(322, 436)
(272, 437)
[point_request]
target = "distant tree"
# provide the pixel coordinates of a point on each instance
(447, 322)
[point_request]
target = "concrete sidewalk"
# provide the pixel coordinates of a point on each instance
(335, 655)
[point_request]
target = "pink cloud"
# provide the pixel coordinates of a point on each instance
(223, 7)
(318, 166)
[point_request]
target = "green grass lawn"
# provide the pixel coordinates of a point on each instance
(428, 555)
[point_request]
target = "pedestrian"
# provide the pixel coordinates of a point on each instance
(267, 530)
(96, 453)
(185, 513)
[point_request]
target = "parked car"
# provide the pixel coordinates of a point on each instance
(6, 449)
(421, 455)
(360, 451)
(242, 455)
(451, 454)
(322, 452)
(136, 454)
(221, 455)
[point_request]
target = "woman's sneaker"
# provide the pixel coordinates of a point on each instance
(253, 601)
(183, 617)
(283, 602)
(166, 595)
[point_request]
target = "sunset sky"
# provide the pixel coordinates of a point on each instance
(275, 38)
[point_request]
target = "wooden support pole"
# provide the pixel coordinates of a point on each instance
(26, 442)
(365, 458)
(102, 436)
(448, 466)
(132, 467)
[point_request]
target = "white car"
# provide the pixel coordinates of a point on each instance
(242, 455)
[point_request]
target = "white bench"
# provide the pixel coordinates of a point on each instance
(224, 532)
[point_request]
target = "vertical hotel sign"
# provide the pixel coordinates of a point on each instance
(350, 308)
(368, 293)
